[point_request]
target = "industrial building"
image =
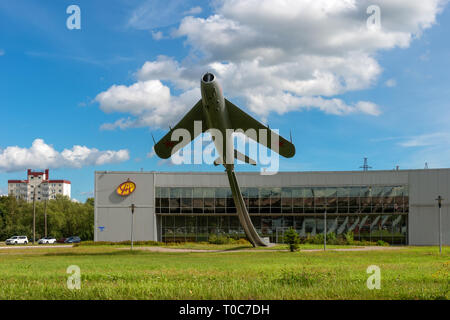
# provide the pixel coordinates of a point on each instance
(396, 206)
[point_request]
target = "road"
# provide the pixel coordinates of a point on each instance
(44, 246)
(165, 249)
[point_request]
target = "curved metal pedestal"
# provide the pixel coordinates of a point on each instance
(243, 215)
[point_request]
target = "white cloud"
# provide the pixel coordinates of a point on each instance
(151, 14)
(164, 68)
(433, 148)
(287, 102)
(151, 154)
(425, 56)
(193, 11)
(87, 194)
(429, 139)
(41, 155)
(149, 101)
(2, 52)
(157, 35)
(277, 55)
(391, 83)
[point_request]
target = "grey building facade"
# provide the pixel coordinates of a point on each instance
(394, 206)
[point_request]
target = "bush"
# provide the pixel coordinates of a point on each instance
(382, 243)
(292, 239)
(349, 238)
(223, 239)
(346, 239)
(219, 239)
(243, 241)
(331, 238)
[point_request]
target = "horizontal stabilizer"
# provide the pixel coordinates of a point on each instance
(218, 161)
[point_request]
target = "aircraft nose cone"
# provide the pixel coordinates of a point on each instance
(208, 77)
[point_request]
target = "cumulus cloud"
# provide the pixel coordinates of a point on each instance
(277, 56)
(42, 155)
(150, 102)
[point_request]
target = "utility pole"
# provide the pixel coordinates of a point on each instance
(45, 218)
(439, 200)
(132, 218)
(325, 230)
(34, 215)
(34, 212)
(45, 210)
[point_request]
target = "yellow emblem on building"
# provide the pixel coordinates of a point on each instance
(126, 188)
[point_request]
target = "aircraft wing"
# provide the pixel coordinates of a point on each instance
(241, 120)
(166, 147)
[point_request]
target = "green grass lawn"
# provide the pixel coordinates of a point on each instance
(108, 272)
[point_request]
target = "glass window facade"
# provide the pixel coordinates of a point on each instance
(370, 212)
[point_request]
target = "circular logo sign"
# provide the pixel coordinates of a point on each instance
(126, 188)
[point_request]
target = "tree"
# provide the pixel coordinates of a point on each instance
(64, 218)
(292, 239)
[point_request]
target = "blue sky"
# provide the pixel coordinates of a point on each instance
(52, 81)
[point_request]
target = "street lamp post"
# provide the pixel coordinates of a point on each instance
(45, 218)
(45, 211)
(34, 214)
(132, 218)
(439, 200)
(325, 230)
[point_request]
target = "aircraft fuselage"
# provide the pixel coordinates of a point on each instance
(215, 111)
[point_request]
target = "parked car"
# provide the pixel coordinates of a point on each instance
(61, 240)
(47, 240)
(17, 240)
(73, 239)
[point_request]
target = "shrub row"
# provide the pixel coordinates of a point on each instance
(223, 239)
(292, 238)
(346, 239)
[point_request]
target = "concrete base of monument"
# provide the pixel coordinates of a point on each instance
(271, 244)
(266, 240)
